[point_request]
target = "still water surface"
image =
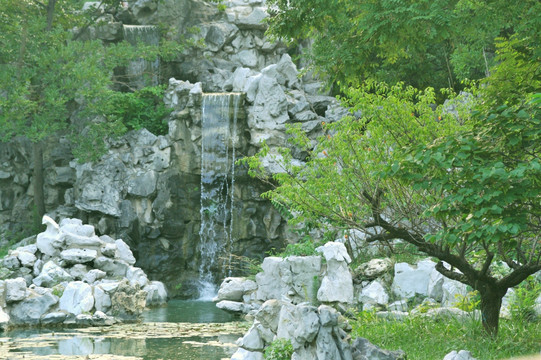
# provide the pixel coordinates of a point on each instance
(187, 330)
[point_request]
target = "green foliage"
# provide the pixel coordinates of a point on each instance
(469, 302)
(523, 301)
(415, 335)
(140, 109)
(279, 349)
(303, 248)
(348, 160)
(424, 43)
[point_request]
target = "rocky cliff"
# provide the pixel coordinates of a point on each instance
(147, 188)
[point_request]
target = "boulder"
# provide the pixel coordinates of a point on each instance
(77, 298)
(127, 302)
(4, 319)
(298, 323)
(252, 340)
(156, 293)
(54, 318)
(364, 350)
(235, 307)
(372, 269)
(78, 256)
(30, 311)
(337, 283)
(115, 268)
(269, 314)
(102, 300)
(123, 252)
(93, 276)
(51, 275)
(411, 280)
(374, 293)
(15, 289)
(453, 292)
(461, 355)
(136, 276)
(232, 288)
(49, 241)
(242, 354)
(78, 271)
(27, 259)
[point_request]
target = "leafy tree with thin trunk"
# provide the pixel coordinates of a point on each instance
(45, 73)
(460, 182)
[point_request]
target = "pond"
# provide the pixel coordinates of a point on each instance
(188, 330)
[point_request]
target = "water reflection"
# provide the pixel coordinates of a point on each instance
(207, 337)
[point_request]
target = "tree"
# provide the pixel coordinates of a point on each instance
(424, 43)
(45, 74)
(460, 185)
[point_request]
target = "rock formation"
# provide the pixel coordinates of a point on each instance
(71, 276)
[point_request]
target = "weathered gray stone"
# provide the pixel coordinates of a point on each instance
(53, 318)
(77, 298)
(300, 324)
(136, 276)
(123, 252)
(78, 271)
(374, 293)
(364, 350)
(26, 258)
(93, 276)
(11, 262)
(51, 274)
(410, 280)
(127, 302)
(4, 319)
(269, 314)
(235, 307)
(111, 267)
(32, 308)
(242, 354)
(108, 250)
(373, 269)
(252, 340)
(156, 293)
(102, 300)
(78, 256)
(461, 355)
(49, 241)
(337, 283)
(15, 289)
(232, 288)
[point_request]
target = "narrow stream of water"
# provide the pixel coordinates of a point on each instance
(183, 330)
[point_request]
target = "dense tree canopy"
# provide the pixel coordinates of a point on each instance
(459, 181)
(47, 75)
(424, 43)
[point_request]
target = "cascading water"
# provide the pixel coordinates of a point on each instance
(218, 141)
(141, 72)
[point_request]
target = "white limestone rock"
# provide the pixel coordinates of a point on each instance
(453, 292)
(30, 310)
(102, 300)
(235, 307)
(123, 252)
(461, 355)
(49, 241)
(374, 293)
(231, 288)
(27, 259)
(136, 276)
(15, 289)
(93, 275)
(78, 256)
(410, 280)
(4, 319)
(373, 269)
(252, 340)
(242, 354)
(51, 275)
(77, 298)
(78, 271)
(269, 314)
(299, 323)
(112, 267)
(156, 293)
(337, 283)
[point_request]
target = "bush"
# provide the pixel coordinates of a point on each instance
(141, 109)
(279, 349)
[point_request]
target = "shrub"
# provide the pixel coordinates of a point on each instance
(279, 349)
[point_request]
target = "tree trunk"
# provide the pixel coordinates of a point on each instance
(491, 302)
(39, 199)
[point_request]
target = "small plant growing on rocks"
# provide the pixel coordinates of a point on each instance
(279, 349)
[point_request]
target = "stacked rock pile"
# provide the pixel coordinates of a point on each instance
(71, 276)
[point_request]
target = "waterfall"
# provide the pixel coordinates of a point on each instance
(218, 141)
(142, 72)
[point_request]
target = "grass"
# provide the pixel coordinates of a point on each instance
(429, 339)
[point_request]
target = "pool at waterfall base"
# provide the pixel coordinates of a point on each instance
(184, 329)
